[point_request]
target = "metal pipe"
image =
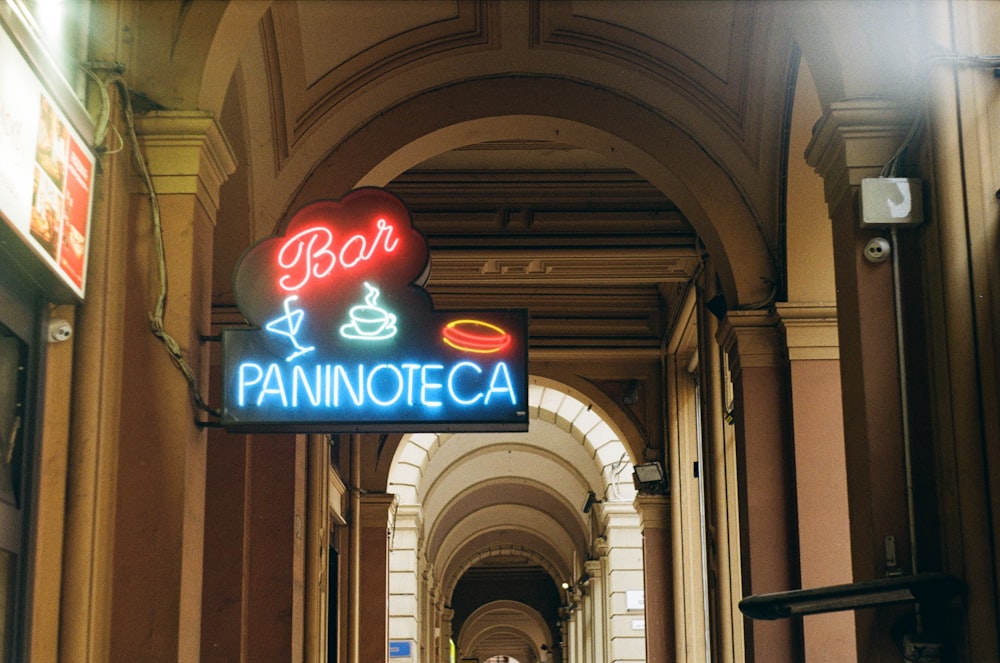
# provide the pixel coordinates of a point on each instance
(904, 407)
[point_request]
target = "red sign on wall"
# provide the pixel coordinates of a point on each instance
(346, 339)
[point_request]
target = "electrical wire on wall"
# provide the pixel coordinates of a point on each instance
(173, 348)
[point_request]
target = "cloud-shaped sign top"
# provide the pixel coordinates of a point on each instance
(328, 253)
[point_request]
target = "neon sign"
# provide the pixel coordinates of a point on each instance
(466, 335)
(309, 253)
(344, 337)
(369, 322)
(288, 325)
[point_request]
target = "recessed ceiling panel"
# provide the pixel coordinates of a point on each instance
(334, 32)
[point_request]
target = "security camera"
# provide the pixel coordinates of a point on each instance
(59, 330)
(877, 250)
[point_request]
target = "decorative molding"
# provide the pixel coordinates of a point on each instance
(474, 26)
(654, 511)
(561, 25)
(853, 140)
(186, 153)
(577, 354)
(377, 510)
(490, 266)
(810, 330)
(751, 339)
(337, 493)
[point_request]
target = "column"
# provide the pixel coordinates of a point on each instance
(317, 549)
(432, 634)
(564, 646)
(585, 632)
(447, 614)
(580, 620)
(404, 575)
(597, 627)
(654, 519)
(853, 140)
(572, 649)
(820, 471)
(374, 521)
(766, 478)
(226, 509)
(274, 549)
(159, 513)
(428, 616)
(255, 548)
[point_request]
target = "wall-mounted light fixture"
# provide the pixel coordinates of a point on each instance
(650, 479)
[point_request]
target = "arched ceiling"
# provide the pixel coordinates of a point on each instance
(487, 494)
(505, 628)
(684, 98)
(503, 519)
(578, 159)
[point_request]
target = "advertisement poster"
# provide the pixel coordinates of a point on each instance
(46, 174)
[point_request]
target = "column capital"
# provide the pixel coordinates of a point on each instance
(411, 514)
(592, 567)
(186, 153)
(853, 140)
(377, 510)
(654, 511)
(615, 514)
(751, 339)
(810, 329)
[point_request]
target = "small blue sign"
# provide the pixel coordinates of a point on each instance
(400, 649)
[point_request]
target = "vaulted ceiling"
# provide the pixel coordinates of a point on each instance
(578, 159)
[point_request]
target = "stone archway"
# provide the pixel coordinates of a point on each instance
(506, 628)
(587, 117)
(475, 503)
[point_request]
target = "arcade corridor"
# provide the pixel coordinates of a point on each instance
(499, 331)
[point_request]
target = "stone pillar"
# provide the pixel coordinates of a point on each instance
(854, 140)
(253, 593)
(622, 550)
(586, 624)
(159, 514)
(573, 648)
(820, 470)
(274, 549)
(404, 574)
(766, 474)
(447, 614)
(654, 519)
(317, 550)
(436, 607)
(428, 616)
(375, 522)
(226, 508)
(598, 599)
(564, 646)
